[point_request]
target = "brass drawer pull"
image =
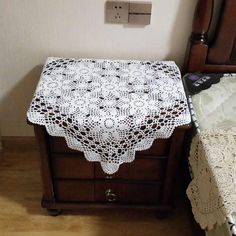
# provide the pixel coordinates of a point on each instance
(110, 196)
(109, 176)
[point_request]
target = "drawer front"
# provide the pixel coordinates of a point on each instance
(74, 191)
(58, 144)
(139, 169)
(107, 192)
(132, 193)
(72, 167)
(160, 147)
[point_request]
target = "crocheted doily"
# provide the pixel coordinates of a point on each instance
(109, 109)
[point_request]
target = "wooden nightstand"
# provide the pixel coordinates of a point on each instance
(108, 109)
(71, 182)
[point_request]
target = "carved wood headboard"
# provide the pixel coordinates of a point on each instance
(219, 54)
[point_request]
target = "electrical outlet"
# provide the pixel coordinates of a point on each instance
(117, 11)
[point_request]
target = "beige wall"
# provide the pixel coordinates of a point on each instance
(32, 30)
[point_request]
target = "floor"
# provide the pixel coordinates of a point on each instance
(21, 213)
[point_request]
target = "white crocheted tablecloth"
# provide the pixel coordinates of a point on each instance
(109, 108)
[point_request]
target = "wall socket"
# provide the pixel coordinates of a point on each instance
(117, 12)
(132, 12)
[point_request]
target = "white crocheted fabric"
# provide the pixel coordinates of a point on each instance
(212, 190)
(109, 109)
(216, 107)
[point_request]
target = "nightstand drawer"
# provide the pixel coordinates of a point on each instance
(72, 166)
(74, 191)
(115, 192)
(58, 144)
(160, 147)
(139, 169)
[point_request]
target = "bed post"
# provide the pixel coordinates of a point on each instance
(223, 49)
(198, 46)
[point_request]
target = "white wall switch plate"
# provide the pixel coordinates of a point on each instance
(117, 12)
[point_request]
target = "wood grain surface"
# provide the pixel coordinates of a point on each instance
(21, 213)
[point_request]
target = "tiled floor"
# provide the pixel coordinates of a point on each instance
(21, 213)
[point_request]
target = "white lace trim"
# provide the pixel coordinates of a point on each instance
(212, 190)
(109, 109)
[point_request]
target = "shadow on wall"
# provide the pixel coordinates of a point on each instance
(14, 105)
(182, 26)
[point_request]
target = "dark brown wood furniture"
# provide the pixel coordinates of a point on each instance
(71, 182)
(215, 53)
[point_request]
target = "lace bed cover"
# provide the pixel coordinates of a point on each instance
(109, 109)
(212, 190)
(213, 110)
(216, 107)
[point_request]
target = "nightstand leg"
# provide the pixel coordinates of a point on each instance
(54, 212)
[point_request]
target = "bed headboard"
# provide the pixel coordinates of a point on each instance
(217, 55)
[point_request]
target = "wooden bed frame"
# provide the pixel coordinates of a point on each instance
(219, 54)
(215, 55)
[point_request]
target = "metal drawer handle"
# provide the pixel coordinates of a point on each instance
(110, 196)
(109, 176)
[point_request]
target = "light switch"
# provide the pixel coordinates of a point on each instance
(138, 19)
(140, 7)
(140, 13)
